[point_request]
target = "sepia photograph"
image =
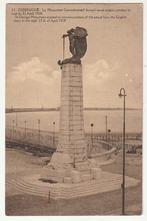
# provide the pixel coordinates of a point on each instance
(73, 109)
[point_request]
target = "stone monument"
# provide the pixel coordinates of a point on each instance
(70, 163)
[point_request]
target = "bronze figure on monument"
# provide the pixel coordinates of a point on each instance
(77, 45)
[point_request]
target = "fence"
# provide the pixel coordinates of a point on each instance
(32, 136)
(96, 143)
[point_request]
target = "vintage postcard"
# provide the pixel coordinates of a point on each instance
(74, 109)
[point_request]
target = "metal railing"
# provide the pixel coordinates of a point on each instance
(32, 136)
(49, 139)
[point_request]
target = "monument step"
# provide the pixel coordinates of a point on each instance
(92, 191)
(67, 195)
(108, 182)
(88, 183)
(27, 183)
(61, 192)
(36, 189)
(29, 191)
(103, 178)
(28, 186)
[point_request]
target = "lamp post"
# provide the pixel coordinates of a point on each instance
(123, 94)
(109, 131)
(13, 127)
(39, 131)
(16, 119)
(106, 127)
(54, 133)
(25, 124)
(92, 134)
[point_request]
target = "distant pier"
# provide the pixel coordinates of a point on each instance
(45, 109)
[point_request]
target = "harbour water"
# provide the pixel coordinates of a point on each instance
(115, 120)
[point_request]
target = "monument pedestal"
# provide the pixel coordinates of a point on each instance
(71, 154)
(71, 132)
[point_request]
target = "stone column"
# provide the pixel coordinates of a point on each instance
(71, 153)
(71, 133)
(72, 146)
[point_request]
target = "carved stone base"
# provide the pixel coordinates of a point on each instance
(61, 170)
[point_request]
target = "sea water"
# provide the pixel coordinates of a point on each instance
(98, 118)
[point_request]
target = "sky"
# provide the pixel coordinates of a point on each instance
(113, 59)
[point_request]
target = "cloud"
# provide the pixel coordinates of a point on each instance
(97, 79)
(103, 80)
(97, 71)
(33, 83)
(34, 70)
